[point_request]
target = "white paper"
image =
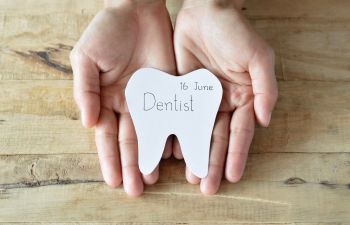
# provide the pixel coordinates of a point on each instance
(161, 104)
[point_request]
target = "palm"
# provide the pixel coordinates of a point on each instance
(120, 46)
(223, 42)
(117, 42)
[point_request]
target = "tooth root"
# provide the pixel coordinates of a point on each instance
(195, 149)
(150, 149)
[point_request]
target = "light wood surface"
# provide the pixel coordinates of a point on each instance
(298, 169)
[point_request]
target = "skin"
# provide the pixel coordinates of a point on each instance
(215, 35)
(130, 34)
(122, 38)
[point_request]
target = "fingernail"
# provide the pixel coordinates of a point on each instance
(268, 120)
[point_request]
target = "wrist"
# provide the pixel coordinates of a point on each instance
(238, 4)
(134, 3)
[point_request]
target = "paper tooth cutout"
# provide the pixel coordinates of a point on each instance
(161, 104)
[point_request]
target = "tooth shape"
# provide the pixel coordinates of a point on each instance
(161, 104)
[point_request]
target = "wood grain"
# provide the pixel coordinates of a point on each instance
(177, 202)
(298, 169)
(310, 116)
(310, 40)
(327, 169)
(269, 191)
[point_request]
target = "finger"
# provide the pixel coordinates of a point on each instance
(241, 135)
(219, 143)
(106, 142)
(151, 178)
(191, 178)
(86, 87)
(154, 176)
(186, 61)
(132, 180)
(168, 147)
(264, 84)
(177, 149)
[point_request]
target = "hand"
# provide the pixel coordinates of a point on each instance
(120, 39)
(214, 35)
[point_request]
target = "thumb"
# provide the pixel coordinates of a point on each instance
(262, 73)
(86, 87)
(185, 60)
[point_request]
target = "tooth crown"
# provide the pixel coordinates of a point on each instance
(161, 104)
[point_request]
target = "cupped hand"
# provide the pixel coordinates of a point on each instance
(121, 38)
(215, 35)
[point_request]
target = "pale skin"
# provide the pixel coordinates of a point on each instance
(128, 35)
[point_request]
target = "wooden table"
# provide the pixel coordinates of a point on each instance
(298, 169)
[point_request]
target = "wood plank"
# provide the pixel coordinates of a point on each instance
(316, 53)
(277, 187)
(309, 37)
(321, 9)
(41, 54)
(324, 169)
(171, 223)
(40, 170)
(310, 42)
(247, 201)
(168, 223)
(308, 50)
(44, 7)
(52, 98)
(309, 117)
(33, 134)
(306, 9)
